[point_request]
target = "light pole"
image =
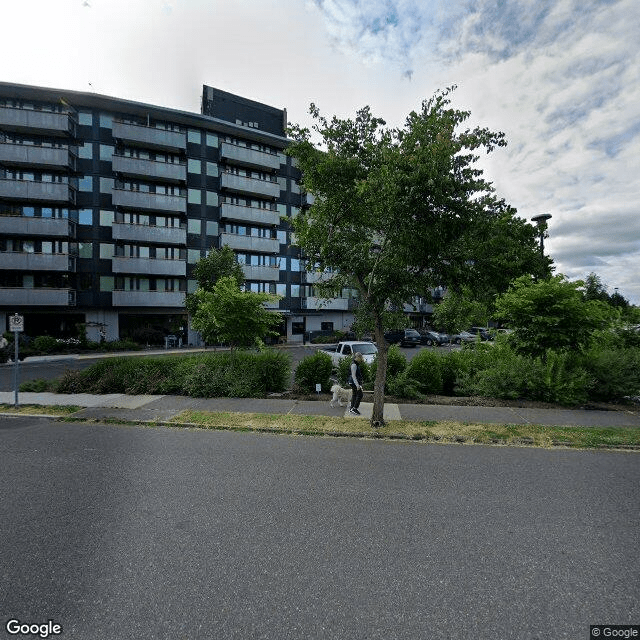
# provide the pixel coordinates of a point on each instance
(541, 222)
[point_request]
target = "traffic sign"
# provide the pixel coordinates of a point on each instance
(16, 323)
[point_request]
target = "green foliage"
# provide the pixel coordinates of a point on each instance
(402, 386)
(312, 370)
(230, 316)
(45, 344)
(458, 312)
(425, 369)
(550, 314)
(614, 372)
(226, 374)
(396, 364)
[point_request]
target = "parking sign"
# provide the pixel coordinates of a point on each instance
(16, 323)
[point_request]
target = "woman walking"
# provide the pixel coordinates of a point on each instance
(355, 380)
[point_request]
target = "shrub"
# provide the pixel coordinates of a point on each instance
(45, 344)
(425, 370)
(614, 373)
(396, 365)
(312, 370)
(403, 386)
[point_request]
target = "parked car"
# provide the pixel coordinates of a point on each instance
(433, 338)
(347, 348)
(483, 332)
(403, 337)
(463, 336)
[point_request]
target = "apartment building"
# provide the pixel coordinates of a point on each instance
(106, 205)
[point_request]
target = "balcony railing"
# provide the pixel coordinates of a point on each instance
(249, 214)
(328, 304)
(149, 266)
(261, 272)
(42, 122)
(242, 184)
(27, 226)
(35, 156)
(249, 157)
(148, 234)
(250, 243)
(150, 137)
(149, 201)
(37, 191)
(15, 296)
(22, 261)
(158, 299)
(151, 169)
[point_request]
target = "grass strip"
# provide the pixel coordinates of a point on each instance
(38, 409)
(434, 431)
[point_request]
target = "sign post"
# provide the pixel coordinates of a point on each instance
(16, 324)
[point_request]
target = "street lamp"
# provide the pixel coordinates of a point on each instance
(541, 222)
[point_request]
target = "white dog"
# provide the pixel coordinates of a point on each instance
(340, 395)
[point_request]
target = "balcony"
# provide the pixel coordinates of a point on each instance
(149, 169)
(158, 299)
(150, 137)
(148, 266)
(149, 201)
(39, 122)
(249, 214)
(22, 261)
(311, 277)
(249, 157)
(252, 186)
(15, 296)
(250, 243)
(261, 273)
(27, 226)
(34, 156)
(148, 235)
(37, 191)
(328, 304)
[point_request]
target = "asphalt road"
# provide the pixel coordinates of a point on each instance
(120, 532)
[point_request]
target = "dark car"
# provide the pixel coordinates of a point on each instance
(403, 337)
(463, 336)
(433, 338)
(483, 332)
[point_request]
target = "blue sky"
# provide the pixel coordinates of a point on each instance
(561, 78)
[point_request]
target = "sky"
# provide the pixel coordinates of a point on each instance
(561, 78)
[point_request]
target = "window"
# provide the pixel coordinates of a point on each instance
(106, 152)
(106, 218)
(194, 196)
(85, 250)
(106, 251)
(106, 185)
(85, 117)
(212, 140)
(212, 199)
(194, 136)
(212, 169)
(85, 150)
(85, 216)
(106, 283)
(106, 120)
(194, 166)
(194, 226)
(85, 183)
(212, 228)
(193, 255)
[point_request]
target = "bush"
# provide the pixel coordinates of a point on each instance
(614, 373)
(396, 365)
(45, 344)
(312, 370)
(425, 370)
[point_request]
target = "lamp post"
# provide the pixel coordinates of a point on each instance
(541, 222)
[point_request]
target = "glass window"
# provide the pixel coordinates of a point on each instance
(106, 218)
(212, 169)
(106, 251)
(295, 290)
(295, 264)
(106, 283)
(85, 216)
(282, 236)
(47, 212)
(281, 289)
(193, 255)
(28, 211)
(85, 117)
(85, 249)
(194, 226)
(194, 166)
(282, 209)
(192, 285)
(106, 152)
(194, 136)
(194, 196)
(212, 199)
(85, 150)
(85, 183)
(212, 140)
(106, 185)
(212, 228)
(106, 120)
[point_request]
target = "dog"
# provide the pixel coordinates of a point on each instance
(340, 395)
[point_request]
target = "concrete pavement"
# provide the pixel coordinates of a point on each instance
(153, 408)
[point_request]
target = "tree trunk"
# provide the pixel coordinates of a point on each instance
(377, 417)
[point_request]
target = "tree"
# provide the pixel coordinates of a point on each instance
(230, 316)
(551, 314)
(458, 311)
(218, 263)
(396, 211)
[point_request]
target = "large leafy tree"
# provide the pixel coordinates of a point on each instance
(231, 316)
(551, 314)
(398, 211)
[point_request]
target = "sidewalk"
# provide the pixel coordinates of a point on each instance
(162, 408)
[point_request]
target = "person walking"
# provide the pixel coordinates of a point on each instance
(355, 380)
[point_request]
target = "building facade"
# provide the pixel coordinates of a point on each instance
(106, 205)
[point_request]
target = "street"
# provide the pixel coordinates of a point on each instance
(119, 532)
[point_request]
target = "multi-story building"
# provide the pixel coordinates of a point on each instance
(106, 205)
